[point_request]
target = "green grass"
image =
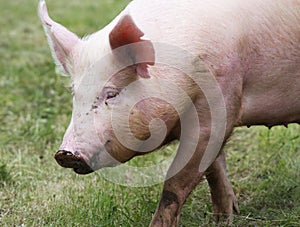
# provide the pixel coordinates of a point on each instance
(263, 165)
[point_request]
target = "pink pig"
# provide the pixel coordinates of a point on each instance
(178, 70)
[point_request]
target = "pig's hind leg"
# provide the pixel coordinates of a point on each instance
(223, 198)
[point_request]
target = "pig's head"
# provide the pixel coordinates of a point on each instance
(118, 109)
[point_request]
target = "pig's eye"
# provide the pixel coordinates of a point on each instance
(111, 94)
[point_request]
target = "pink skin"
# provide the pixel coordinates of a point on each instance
(251, 48)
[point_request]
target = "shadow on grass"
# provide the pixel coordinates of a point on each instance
(5, 177)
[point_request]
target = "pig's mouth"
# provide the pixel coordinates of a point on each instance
(72, 160)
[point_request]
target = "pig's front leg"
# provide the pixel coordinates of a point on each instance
(177, 189)
(178, 186)
(175, 193)
(222, 195)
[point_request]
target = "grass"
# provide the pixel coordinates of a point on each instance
(263, 165)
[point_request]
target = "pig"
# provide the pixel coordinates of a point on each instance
(169, 70)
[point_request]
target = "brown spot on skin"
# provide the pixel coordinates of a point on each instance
(168, 198)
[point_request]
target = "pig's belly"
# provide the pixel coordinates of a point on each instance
(271, 102)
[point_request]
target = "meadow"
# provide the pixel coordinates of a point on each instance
(263, 164)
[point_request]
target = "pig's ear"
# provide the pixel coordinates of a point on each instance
(142, 53)
(61, 40)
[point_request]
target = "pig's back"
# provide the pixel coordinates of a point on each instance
(215, 29)
(257, 40)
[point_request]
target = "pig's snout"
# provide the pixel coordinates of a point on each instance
(74, 160)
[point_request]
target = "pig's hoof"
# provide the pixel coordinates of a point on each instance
(164, 223)
(224, 212)
(165, 218)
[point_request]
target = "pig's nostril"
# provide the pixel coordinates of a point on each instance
(63, 157)
(74, 160)
(62, 153)
(68, 159)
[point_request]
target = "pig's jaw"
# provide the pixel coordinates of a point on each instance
(102, 160)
